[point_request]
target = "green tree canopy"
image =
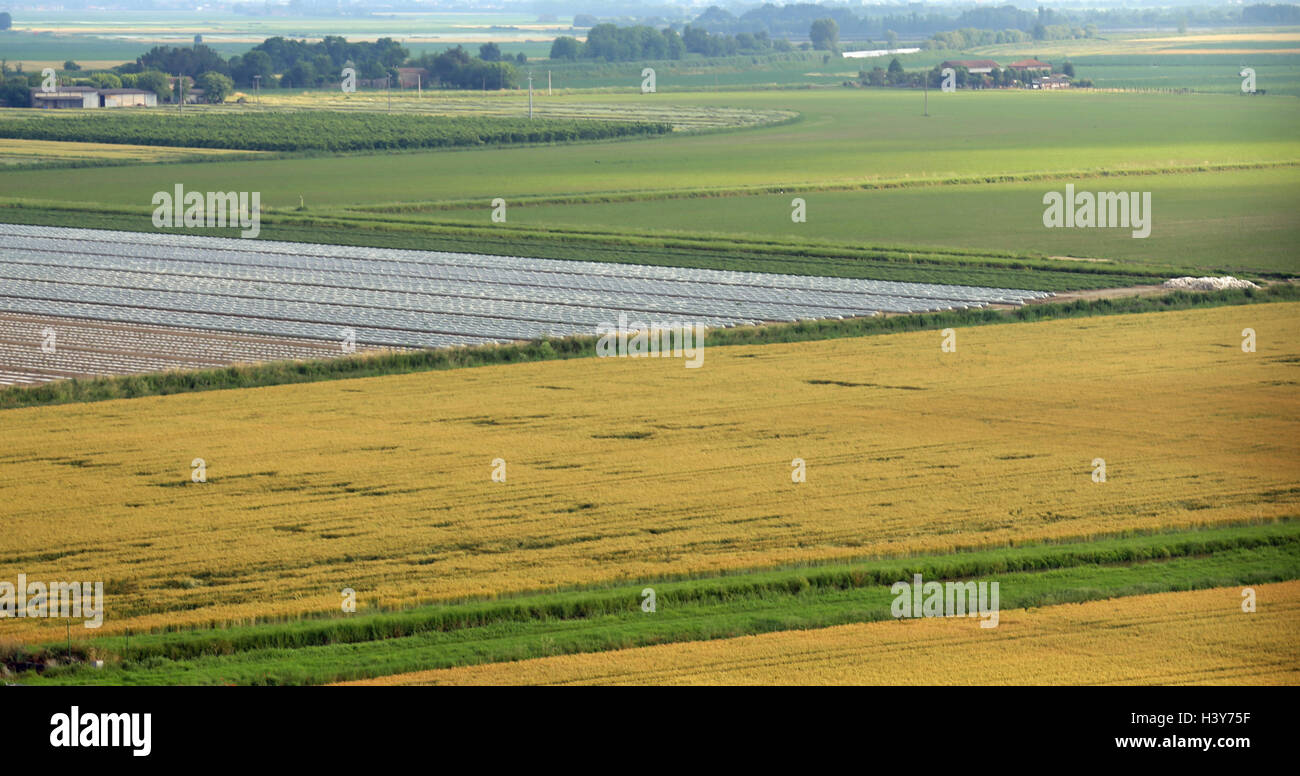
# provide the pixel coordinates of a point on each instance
(565, 47)
(216, 87)
(825, 35)
(155, 82)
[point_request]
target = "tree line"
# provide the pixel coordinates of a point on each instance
(612, 43)
(794, 19)
(275, 63)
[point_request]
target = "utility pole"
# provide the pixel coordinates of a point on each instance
(180, 93)
(388, 86)
(257, 86)
(530, 95)
(548, 83)
(419, 86)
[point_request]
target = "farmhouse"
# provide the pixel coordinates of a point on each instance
(90, 97)
(123, 98)
(193, 94)
(1054, 81)
(974, 66)
(1026, 66)
(412, 77)
(67, 97)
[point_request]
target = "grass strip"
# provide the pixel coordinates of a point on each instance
(758, 602)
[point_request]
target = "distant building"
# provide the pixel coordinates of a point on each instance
(67, 97)
(90, 97)
(126, 98)
(193, 94)
(1030, 66)
(412, 77)
(867, 54)
(973, 66)
(1054, 81)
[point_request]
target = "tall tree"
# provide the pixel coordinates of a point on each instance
(216, 87)
(825, 35)
(565, 47)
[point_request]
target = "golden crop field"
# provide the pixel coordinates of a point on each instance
(637, 469)
(1197, 637)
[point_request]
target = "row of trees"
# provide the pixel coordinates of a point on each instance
(281, 62)
(301, 63)
(455, 68)
(957, 40)
(794, 19)
(1271, 14)
(612, 43)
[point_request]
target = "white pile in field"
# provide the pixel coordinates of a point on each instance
(1208, 284)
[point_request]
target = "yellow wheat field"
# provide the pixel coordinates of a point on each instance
(1200, 637)
(622, 469)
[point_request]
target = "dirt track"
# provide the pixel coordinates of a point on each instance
(1103, 293)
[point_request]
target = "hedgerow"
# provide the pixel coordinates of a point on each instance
(317, 130)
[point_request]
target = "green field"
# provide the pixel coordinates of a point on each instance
(875, 172)
(845, 139)
(1199, 218)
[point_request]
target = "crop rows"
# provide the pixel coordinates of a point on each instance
(84, 348)
(681, 117)
(399, 298)
(316, 130)
(632, 469)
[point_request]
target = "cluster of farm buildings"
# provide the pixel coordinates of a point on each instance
(1034, 73)
(95, 97)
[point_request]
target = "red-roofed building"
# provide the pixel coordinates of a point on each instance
(412, 77)
(1030, 65)
(973, 66)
